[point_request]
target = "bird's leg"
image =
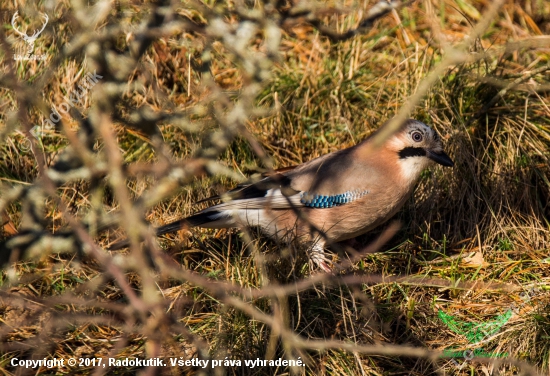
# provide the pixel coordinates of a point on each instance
(318, 257)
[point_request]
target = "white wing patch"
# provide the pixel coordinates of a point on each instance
(273, 199)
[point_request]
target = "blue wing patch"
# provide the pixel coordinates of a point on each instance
(325, 201)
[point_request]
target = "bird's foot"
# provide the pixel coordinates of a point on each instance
(324, 266)
(318, 258)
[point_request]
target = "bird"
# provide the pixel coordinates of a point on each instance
(332, 198)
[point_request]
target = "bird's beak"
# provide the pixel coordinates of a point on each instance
(441, 158)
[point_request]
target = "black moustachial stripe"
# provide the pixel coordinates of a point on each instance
(411, 151)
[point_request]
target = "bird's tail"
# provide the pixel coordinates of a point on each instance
(200, 219)
(212, 218)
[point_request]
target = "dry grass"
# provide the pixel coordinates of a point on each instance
(207, 294)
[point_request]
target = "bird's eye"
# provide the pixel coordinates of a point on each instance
(416, 136)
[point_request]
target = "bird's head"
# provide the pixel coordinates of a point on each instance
(417, 146)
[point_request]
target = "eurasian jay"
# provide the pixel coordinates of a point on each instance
(332, 198)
